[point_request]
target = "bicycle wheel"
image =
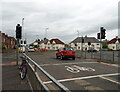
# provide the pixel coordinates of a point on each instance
(23, 72)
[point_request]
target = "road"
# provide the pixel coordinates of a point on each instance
(78, 74)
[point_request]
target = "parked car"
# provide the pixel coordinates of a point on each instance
(92, 50)
(36, 49)
(43, 49)
(31, 49)
(63, 53)
(104, 49)
(21, 48)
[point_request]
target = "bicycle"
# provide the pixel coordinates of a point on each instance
(23, 68)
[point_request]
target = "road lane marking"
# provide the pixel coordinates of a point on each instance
(80, 78)
(66, 63)
(115, 65)
(110, 80)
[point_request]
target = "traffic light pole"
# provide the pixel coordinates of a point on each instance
(18, 37)
(17, 52)
(100, 48)
(101, 36)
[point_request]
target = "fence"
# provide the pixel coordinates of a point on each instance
(111, 56)
(37, 76)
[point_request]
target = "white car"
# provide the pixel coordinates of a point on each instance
(21, 49)
(31, 49)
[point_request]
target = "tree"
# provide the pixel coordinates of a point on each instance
(104, 45)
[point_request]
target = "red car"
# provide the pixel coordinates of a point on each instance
(63, 53)
(43, 49)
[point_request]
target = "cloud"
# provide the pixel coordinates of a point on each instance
(63, 18)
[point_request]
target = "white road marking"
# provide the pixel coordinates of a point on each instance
(77, 69)
(109, 80)
(87, 77)
(66, 63)
(115, 65)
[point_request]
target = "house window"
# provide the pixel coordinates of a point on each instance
(97, 43)
(56, 47)
(48, 47)
(75, 44)
(78, 47)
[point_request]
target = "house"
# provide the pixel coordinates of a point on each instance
(42, 43)
(7, 41)
(52, 44)
(56, 44)
(114, 44)
(89, 43)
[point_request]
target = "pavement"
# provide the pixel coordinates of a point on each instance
(10, 74)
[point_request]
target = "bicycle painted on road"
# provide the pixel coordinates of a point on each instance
(77, 69)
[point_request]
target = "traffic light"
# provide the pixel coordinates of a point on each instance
(89, 43)
(98, 35)
(103, 33)
(18, 31)
(24, 42)
(21, 42)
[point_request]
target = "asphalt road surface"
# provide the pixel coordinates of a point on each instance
(79, 74)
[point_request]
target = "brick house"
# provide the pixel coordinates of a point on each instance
(7, 41)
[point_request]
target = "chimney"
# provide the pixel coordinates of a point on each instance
(44, 39)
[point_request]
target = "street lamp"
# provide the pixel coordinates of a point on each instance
(46, 29)
(78, 39)
(22, 26)
(78, 32)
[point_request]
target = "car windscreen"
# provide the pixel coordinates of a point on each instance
(68, 49)
(31, 48)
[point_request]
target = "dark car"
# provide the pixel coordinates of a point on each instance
(92, 50)
(63, 53)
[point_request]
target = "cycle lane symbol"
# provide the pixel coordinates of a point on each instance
(77, 69)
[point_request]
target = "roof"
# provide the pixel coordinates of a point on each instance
(113, 41)
(86, 40)
(42, 41)
(57, 41)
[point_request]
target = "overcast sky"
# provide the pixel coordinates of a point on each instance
(62, 18)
